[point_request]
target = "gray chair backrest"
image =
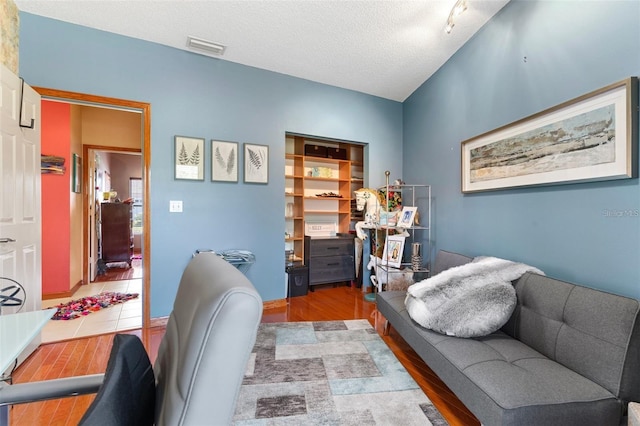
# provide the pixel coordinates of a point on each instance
(594, 333)
(204, 353)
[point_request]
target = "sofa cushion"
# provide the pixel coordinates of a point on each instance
(470, 300)
(464, 311)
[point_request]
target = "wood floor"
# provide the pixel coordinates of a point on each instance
(121, 272)
(89, 356)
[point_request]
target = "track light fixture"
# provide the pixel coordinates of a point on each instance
(458, 8)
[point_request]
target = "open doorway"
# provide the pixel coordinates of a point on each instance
(116, 230)
(92, 192)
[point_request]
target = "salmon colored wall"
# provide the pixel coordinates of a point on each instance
(56, 192)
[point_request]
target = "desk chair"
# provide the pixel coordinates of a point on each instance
(201, 360)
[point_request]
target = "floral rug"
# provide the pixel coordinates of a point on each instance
(80, 307)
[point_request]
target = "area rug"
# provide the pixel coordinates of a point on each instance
(80, 307)
(328, 373)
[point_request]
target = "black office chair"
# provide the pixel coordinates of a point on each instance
(127, 395)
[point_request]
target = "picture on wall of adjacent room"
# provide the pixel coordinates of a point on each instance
(224, 161)
(189, 158)
(76, 177)
(593, 137)
(256, 163)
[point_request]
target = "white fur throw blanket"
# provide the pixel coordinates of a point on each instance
(471, 300)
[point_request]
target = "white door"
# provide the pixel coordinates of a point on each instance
(93, 217)
(20, 216)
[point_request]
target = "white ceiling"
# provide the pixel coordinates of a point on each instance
(386, 48)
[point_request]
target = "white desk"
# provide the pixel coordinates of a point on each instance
(16, 332)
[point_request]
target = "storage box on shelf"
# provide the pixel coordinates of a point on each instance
(315, 150)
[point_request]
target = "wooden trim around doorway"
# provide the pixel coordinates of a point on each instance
(145, 109)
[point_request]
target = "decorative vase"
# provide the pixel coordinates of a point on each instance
(416, 256)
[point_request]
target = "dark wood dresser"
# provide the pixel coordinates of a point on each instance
(330, 259)
(117, 239)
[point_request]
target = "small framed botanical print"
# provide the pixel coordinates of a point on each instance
(189, 158)
(224, 161)
(256, 163)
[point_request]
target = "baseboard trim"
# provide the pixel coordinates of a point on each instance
(69, 293)
(272, 304)
(158, 322)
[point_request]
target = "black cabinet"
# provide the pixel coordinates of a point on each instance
(117, 239)
(330, 259)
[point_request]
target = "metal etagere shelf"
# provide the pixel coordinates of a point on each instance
(416, 257)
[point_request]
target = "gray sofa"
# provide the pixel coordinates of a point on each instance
(569, 355)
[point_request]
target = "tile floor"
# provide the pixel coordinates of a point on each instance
(123, 316)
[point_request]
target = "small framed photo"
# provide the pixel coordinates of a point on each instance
(407, 216)
(256, 163)
(189, 158)
(224, 161)
(393, 250)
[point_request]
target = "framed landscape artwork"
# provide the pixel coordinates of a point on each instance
(593, 137)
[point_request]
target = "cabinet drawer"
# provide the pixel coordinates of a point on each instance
(330, 269)
(331, 247)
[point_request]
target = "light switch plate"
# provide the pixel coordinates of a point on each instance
(175, 206)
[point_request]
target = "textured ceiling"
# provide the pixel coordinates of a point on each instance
(383, 48)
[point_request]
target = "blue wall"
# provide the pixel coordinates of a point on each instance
(193, 95)
(571, 49)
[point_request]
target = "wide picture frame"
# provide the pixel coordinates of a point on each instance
(189, 158)
(224, 161)
(590, 138)
(256, 163)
